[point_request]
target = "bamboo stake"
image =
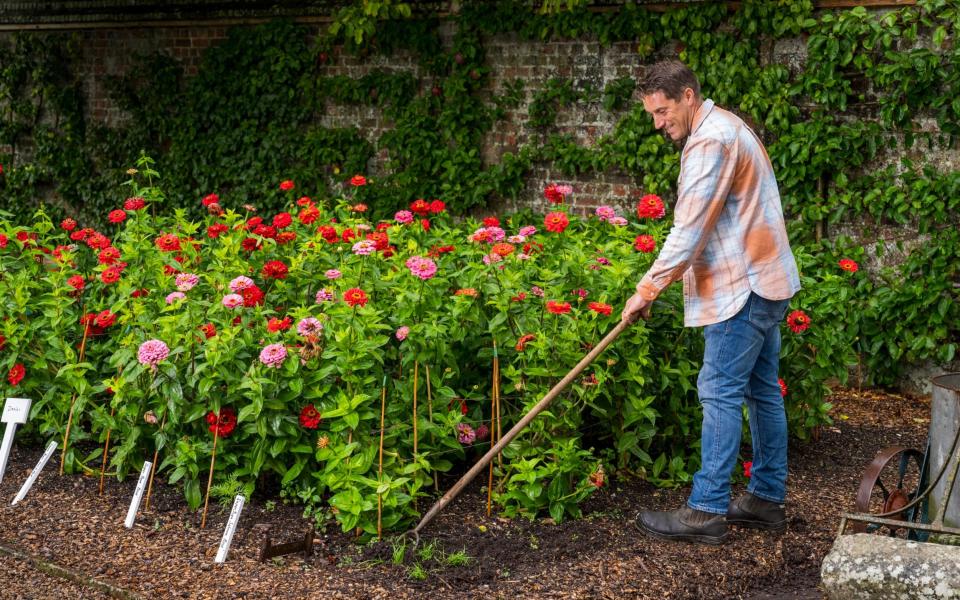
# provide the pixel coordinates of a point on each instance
(106, 446)
(153, 467)
(436, 484)
(520, 426)
(213, 458)
(416, 376)
(383, 413)
(493, 427)
(73, 401)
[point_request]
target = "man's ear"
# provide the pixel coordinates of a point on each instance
(689, 96)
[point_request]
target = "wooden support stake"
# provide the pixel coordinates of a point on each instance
(436, 484)
(213, 458)
(416, 376)
(66, 434)
(383, 413)
(106, 447)
(153, 469)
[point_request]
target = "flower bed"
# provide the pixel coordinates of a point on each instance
(347, 362)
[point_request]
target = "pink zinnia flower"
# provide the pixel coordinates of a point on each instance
(517, 239)
(617, 221)
(232, 300)
(465, 434)
(324, 295)
(528, 230)
(424, 268)
(174, 296)
(536, 291)
(605, 212)
(404, 217)
(402, 333)
(309, 326)
(186, 281)
(364, 247)
(333, 274)
(152, 352)
(240, 283)
(273, 355)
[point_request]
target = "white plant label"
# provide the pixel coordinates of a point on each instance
(51, 447)
(230, 529)
(138, 494)
(15, 412)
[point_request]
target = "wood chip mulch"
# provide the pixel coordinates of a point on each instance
(64, 527)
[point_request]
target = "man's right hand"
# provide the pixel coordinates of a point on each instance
(636, 307)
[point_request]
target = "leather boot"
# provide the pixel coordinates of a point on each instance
(684, 524)
(757, 513)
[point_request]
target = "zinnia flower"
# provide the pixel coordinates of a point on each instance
(309, 326)
(282, 220)
(617, 221)
(404, 217)
(15, 376)
(238, 284)
(605, 212)
(558, 308)
(465, 434)
(556, 222)
(645, 243)
(601, 308)
(324, 295)
(209, 330)
(186, 281)
(783, 386)
(424, 268)
(68, 224)
(502, 249)
(152, 352)
(274, 324)
(252, 296)
(117, 216)
(650, 207)
(214, 231)
(355, 296)
(108, 256)
(174, 296)
(466, 292)
(111, 275)
(798, 321)
(402, 333)
(358, 180)
(527, 230)
(232, 300)
(135, 203)
(310, 417)
(286, 185)
(274, 269)
(76, 282)
(552, 194)
(273, 355)
(437, 206)
(105, 319)
(524, 340)
(223, 424)
(597, 477)
(210, 199)
(168, 242)
(849, 265)
(491, 222)
(747, 467)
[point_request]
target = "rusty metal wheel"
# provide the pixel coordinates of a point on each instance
(892, 481)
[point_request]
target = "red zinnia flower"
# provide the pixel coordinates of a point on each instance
(274, 324)
(849, 265)
(552, 194)
(223, 424)
(108, 256)
(601, 308)
(308, 215)
(310, 417)
(798, 321)
(304, 201)
(274, 270)
(265, 231)
(355, 296)
(250, 244)
(210, 199)
(361, 207)
(4, 240)
(282, 220)
(68, 224)
(437, 206)
(524, 340)
(285, 237)
(558, 308)
(76, 282)
(556, 222)
(491, 222)
(783, 386)
(168, 242)
(466, 292)
(420, 207)
(215, 230)
(286, 185)
(117, 216)
(139, 293)
(381, 239)
(252, 296)
(135, 203)
(16, 374)
(209, 330)
(645, 243)
(519, 297)
(425, 224)
(98, 241)
(358, 180)
(111, 275)
(328, 233)
(650, 207)
(105, 319)
(747, 467)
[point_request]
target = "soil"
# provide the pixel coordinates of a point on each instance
(66, 541)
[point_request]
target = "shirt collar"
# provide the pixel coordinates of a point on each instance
(701, 115)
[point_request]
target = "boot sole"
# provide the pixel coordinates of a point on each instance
(765, 525)
(713, 540)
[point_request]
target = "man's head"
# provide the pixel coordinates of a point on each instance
(671, 94)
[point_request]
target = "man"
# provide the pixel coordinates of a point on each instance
(729, 245)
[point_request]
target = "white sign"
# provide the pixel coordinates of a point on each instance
(15, 412)
(138, 494)
(35, 472)
(230, 530)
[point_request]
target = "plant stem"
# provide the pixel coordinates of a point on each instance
(213, 458)
(153, 468)
(66, 433)
(106, 447)
(383, 411)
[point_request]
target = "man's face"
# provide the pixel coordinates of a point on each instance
(674, 118)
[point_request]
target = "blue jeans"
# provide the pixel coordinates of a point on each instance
(740, 363)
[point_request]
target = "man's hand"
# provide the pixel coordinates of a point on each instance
(637, 306)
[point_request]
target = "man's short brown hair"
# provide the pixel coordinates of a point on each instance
(670, 77)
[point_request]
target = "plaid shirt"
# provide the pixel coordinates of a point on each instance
(728, 236)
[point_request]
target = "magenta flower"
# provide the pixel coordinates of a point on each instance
(240, 283)
(186, 281)
(483, 432)
(404, 217)
(309, 326)
(465, 434)
(324, 295)
(152, 352)
(364, 247)
(565, 190)
(402, 333)
(493, 257)
(232, 300)
(333, 274)
(424, 268)
(605, 213)
(273, 355)
(174, 296)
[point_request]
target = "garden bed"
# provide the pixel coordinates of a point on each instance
(64, 522)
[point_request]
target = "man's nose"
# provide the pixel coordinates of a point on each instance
(658, 123)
